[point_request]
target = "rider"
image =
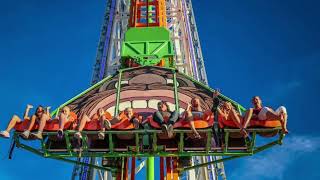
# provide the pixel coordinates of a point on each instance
(266, 113)
(63, 118)
(164, 112)
(16, 119)
(227, 112)
(101, 115)
(129, 114)
(194, 111)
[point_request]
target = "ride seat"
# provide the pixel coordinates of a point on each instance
(200, 123)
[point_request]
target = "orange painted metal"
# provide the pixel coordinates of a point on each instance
(253, 123)
(52, 125)
(133, 167)
(140, 15)
(123, 173)
(169, 168)
(175, 172)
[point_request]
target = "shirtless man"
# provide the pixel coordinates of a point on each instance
(265, 113)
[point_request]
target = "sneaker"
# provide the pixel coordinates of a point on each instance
(60, 134)
(170, 131)
(4, 134)
(37, 135)
(78, 135)
(101, 135)
(25, 134)
(164, 128)
(107, 124)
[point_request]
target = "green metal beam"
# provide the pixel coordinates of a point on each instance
(150, 168)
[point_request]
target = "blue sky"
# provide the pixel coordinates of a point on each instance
(267, 48)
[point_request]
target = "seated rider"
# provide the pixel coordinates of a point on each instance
(129, 114)
(101, 115)
(16, 119)
(227, 112)
(265, 113)
(164, 112)
(194, 111)
(63, 117)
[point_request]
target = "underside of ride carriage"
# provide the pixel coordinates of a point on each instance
(142, 88)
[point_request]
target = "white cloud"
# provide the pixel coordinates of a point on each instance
(272, 164)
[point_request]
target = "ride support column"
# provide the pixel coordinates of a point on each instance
(150, 168)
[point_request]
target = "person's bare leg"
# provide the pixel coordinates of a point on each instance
(101, 121)
(236, 119)
(271, 115)
(189, 118)
(62, 121)
(26, 133)
(31, 124)
(102, 127)
(247, 118)
(282, 117)
(43, 120)
(83, 122)
(284, 123)
(14, 120)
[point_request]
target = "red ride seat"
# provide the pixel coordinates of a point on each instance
(22, 126)
(265, 123)
(253, 123)
(94, 124)
(124, 124)
(50, 125)
(53, 125)
(226, 123)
